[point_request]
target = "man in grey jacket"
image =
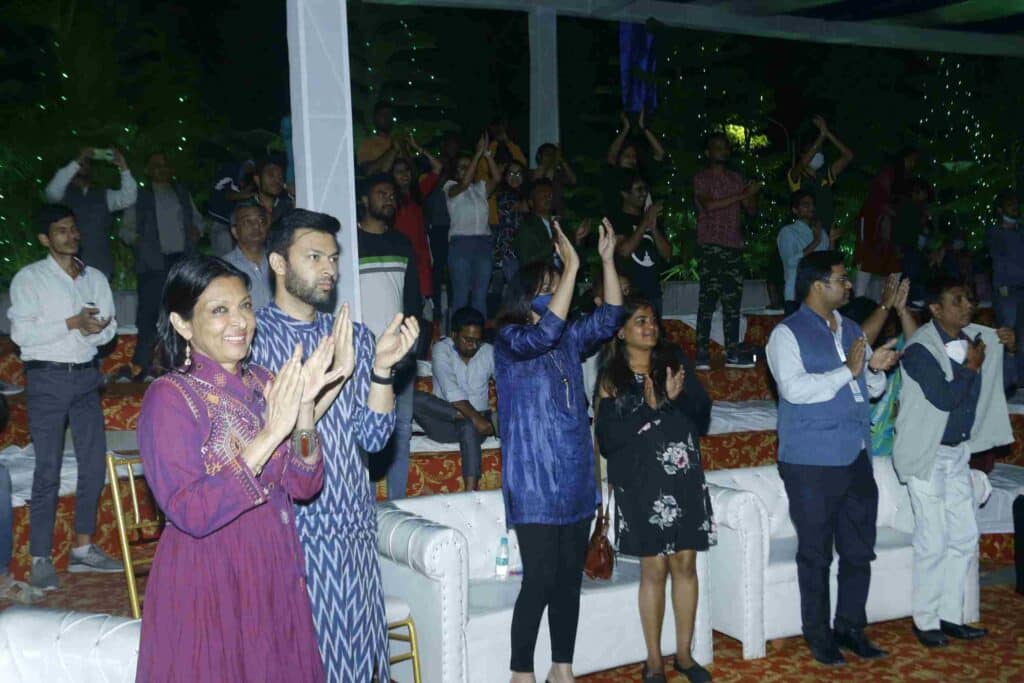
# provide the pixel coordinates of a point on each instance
(952, 404)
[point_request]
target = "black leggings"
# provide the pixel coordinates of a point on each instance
(553, 557)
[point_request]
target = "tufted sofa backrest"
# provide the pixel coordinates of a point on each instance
(765, 483)
(479, 516)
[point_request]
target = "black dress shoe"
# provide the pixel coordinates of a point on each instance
(962, 631)
(694, 674)
(931, 637)
(826, 652)
(856, 642)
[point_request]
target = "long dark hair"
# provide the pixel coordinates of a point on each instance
(186, 282)
(616, 377)
(516, 308)
(414, 186)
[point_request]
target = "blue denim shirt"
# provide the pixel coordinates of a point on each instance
(546, 449)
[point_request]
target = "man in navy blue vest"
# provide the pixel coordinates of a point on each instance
(818, 359)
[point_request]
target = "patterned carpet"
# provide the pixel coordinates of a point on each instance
(1000, 657)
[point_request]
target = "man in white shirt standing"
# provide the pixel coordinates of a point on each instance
(249, 225)
(803, 236)
(93, 206)
(61, 311)
(827, 374)
(459, 409)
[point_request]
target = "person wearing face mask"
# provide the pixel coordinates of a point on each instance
(812, 174)
(548, 474)
(1006, 246)
(951, 405)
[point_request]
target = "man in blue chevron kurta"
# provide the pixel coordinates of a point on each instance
(338, 529)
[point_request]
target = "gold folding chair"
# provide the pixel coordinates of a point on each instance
(398, 616)
(135, 532)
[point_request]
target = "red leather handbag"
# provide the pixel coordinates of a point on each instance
(600, 556)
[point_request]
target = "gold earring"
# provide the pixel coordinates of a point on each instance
(188, 356)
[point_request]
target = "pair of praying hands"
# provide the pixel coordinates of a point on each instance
(300, 385)
(894, 293)
(673, 387)
(881, 359)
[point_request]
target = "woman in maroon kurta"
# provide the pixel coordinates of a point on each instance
(226, 598)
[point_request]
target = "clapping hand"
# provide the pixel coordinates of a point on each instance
(890, 290)
(855, 356)
(884, 357)
(283, 395)
(900, 304)
(1008, 338)
(753, 188)
(344, 345)
(565, 250)
(582, 230)
(650, 396)
(606, 241)
(394, 343)
(315, 375)
(819, 122)
(674, 382)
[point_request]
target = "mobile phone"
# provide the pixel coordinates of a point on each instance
(103, 154)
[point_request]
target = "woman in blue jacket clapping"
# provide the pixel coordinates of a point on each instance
(548, 469)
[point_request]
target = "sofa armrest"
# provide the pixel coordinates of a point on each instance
(427, 547)
(739, 561)
(427, 565)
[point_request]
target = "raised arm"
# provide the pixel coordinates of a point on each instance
(435, 165)
(124, 196)
(657, 151)
(845, 154)
(58, 184)
(470, 174)
(613, 150)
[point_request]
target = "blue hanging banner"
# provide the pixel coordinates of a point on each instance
(636, 59)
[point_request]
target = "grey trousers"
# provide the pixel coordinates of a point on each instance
(441, 421)
(54, 398)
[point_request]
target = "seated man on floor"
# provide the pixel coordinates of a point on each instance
(459, 409)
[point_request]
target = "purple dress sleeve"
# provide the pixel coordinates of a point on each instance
(299, 480)
(590, 331)
(195, 500)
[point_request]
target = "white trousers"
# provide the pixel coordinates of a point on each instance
(945, 538)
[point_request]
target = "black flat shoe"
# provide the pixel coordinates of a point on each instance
(962, 631)
(694, 674)
(856, 642)
(826, 652)
(648, 677)
(931, 637)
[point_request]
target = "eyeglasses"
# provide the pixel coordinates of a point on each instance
(842, 281)
(515, 174)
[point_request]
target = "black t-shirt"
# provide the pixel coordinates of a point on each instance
(644, 266)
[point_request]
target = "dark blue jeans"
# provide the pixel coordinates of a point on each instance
(469, 265)
(1009, 310)
(832, 505)
(54, 398)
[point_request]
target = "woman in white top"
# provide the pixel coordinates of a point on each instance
(470, 241)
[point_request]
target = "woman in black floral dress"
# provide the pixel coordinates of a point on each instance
(650, 417)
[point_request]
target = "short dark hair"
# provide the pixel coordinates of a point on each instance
(376, 179)
(1002, 197)
(279, 160)
(815, 267)
(244, 204)
(50, 214)
(939, 285)
(186, 282)
(545, 146)
(516, 308)
(798, 196)
(282, 232)
(715, 134)
(467, 316)
(627, 180)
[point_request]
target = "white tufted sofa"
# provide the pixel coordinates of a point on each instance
(437, 554)
(756, 596)
(55, 646)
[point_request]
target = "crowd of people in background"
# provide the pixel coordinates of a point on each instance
(265, 391)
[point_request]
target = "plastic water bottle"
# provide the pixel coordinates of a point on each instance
(501, 559)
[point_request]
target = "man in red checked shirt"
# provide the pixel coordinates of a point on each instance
(720, 193)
